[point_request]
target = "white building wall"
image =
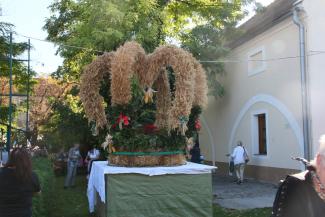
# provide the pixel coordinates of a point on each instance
(228, 120)
(315, 25)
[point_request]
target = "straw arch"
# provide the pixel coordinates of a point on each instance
(201, 86)
(163, 98)
(90, 86)
(129, 59)
(191, 84)
(180, 61)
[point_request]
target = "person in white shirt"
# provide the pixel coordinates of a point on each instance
(92, 155)
(238, 157)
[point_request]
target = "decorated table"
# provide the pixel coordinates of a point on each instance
(147, 107)
(150, 191)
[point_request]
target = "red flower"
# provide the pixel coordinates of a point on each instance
(149, 128)
(123, 120)
(197, 124)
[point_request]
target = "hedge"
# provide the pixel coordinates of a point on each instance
(43, 168)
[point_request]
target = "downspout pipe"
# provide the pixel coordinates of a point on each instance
(304, 84)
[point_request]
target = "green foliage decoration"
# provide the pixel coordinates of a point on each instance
(141, 134)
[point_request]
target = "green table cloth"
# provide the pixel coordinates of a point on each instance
(164, 195)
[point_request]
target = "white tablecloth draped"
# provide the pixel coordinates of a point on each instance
(96, 180)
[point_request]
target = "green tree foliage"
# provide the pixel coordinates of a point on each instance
(19, 68)
(66, 125)
(215, 25)
(259, 8)
(206, 43)
(103, 25)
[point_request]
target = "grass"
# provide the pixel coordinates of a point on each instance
(43, 169)
(69, 202)
(219, 211)
(73, 202)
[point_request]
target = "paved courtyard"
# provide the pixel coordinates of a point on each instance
(249, 195)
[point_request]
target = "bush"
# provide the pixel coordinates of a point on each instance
(43, 168)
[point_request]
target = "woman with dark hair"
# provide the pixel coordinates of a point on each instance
(17, 185)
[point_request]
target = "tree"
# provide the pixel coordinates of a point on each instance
(46, 93)
(206, 42)
(104, 25)
(84, 29)
(56, 115)
(67, 123)
(19, 68)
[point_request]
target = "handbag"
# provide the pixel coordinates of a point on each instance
(246, 156)
(231, 166)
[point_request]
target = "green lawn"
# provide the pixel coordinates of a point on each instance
(219, 211)
(73, 202)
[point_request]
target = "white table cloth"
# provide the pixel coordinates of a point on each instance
(96, 182)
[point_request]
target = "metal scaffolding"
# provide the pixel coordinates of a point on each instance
(11, 94)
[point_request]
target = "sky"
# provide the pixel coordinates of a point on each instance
(29, 16)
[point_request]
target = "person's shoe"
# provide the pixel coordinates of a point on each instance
(239, 182)
(65, 187)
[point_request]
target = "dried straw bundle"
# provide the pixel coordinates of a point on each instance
(145, 161)
(89, 89)
(201, 86)
(163, 100)
(182, 64)
(128, 59)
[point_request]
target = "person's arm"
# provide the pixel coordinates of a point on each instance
(233, 153)
(70, 153)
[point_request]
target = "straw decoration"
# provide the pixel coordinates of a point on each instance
(127, 59)
(89, 89)
(130, 59)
